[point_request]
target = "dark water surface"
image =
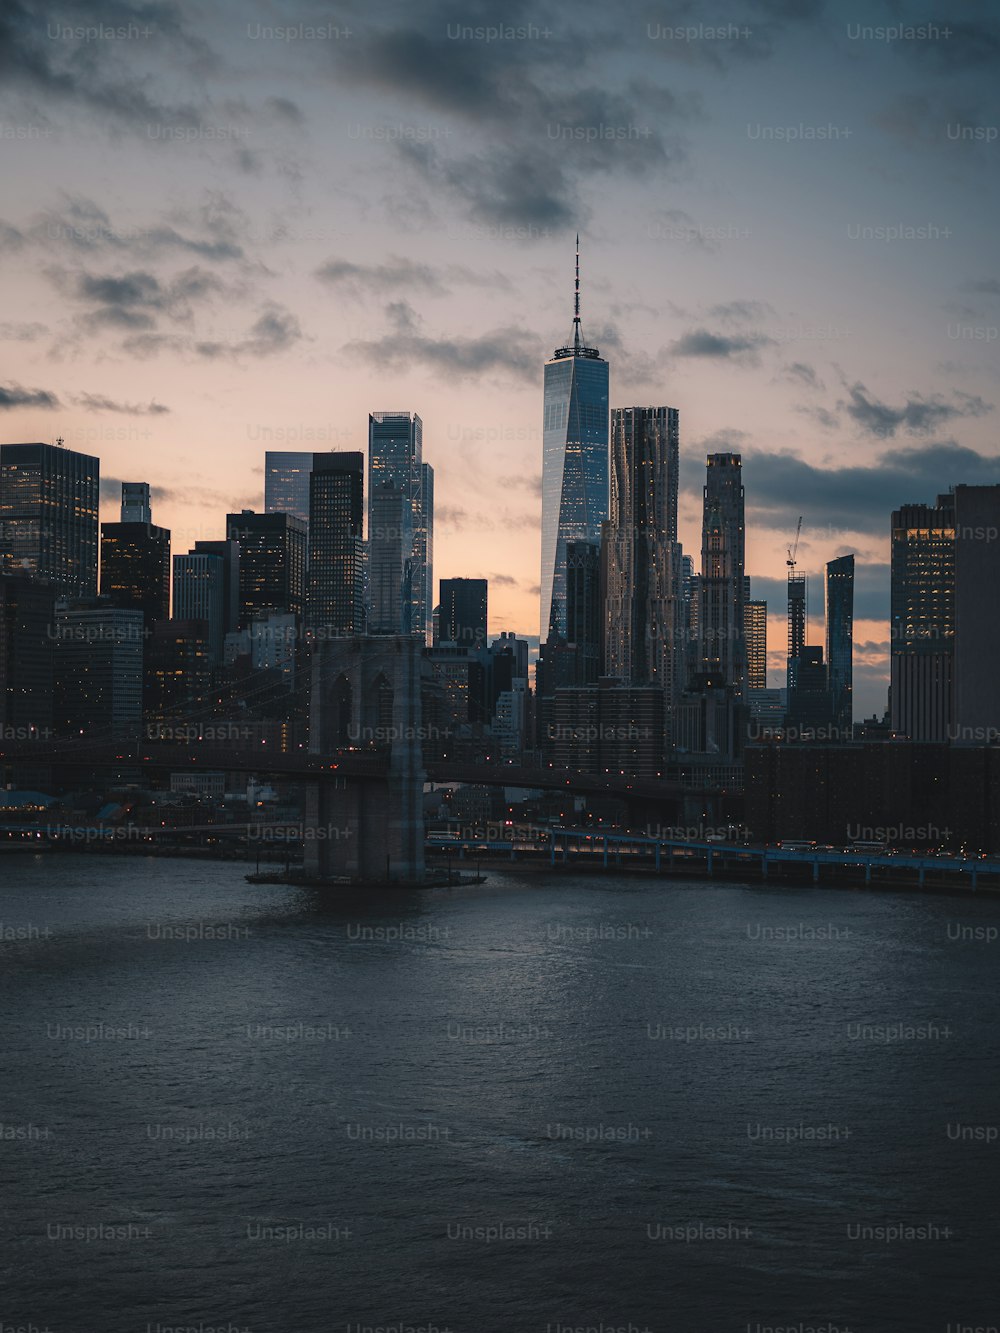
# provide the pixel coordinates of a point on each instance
(474, 1109)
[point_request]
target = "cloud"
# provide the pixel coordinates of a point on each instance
(70, 73)
(11, 238)
(83, 226)
(983, 286)
(537, 126)
(275, 330)
(967, 46)
(398, 272)
(737, 312)
(858, 498)
(91, 402)
(918, 415)
(22, 333)
(510, 351)
(13, 395)
(722, 346)
(800, 372)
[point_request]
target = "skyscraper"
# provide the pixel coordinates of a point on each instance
(135, 502)
(840, 642)
(199, 594)
(977, 628)
(286, 483)
(336, 548)
(463, 613)
(395, 455)
(135, 558)
(755, 629)
(424, 549)
(48, 515)
(722, 587)
(922, 620)
(642, 640)
(272, 561)
(797, 617)
(391, 564)
(585, 609)
(574, 462)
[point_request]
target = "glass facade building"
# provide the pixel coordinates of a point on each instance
(922, 620)
(335, 602)
(574, 464)
(48, 515)
(840, 641)
(286, 483)
(395, 458)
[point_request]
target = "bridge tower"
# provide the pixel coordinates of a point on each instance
(366, 691)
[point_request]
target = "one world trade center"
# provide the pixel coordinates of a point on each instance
(574, 462)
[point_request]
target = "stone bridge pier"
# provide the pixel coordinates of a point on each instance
(366, 691)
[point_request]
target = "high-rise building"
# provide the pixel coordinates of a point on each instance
(135, 502)
(463, 612)
(840, 642)
(584, 608)
(722, 587)
(286, 483)
(199, 582)
(922, 620)
(98, 670)
(391, 565)
(642, 642)
(976, 718)
(135, 558)
(26, 657)
(336, 546)
(574, 462)
(48, 515)
(229, 553)
(424, 552)
(797, 620)
(272, 561)
(395, 456)
(755, 630)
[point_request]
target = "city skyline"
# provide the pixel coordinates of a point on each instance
(196, 276)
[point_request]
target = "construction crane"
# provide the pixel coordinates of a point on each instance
(792, 550)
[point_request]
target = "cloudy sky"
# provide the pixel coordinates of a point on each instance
(247, 228)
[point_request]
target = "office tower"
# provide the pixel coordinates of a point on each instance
(135, 502)
(976, 717)
(424, 553)
(391, 566)
(135, 558)
(722, 652)
(336, 546)
(574, 462)
(98, 671)
(840, 642)
(643, 558)
(48, 515)
(178, 675)
(922, 620)
(462, 616)
(755, 630)
(584, 605)
(286, 483)
(199, 583)
(796, 621)
(26, 657)
(272, 561)
(395, 456)
(229, 553)
(809, 712)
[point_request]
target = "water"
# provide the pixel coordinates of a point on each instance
(423, 1071)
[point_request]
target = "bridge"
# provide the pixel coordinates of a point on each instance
(676, 856)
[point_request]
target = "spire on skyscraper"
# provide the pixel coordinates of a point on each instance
(576, 300)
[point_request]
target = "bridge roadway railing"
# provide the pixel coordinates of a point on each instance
(666, 852)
